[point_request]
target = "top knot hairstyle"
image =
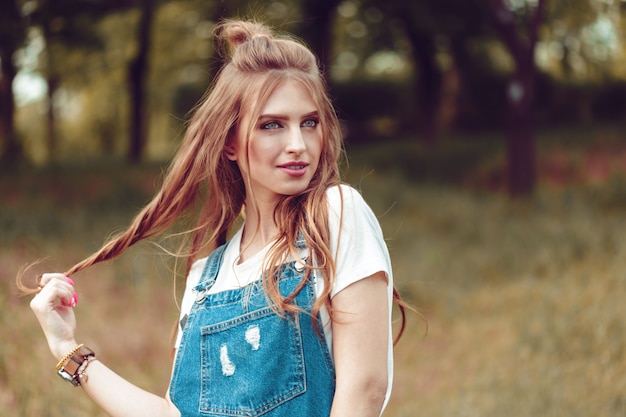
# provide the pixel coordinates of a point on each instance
(253, 47)
(229, 34)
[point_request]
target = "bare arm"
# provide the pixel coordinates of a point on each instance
(116, 396)
(360, 345)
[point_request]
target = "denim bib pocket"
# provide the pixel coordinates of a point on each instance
(245, 369)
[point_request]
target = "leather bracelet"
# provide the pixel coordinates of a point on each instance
(65, 358)
(81, 374)
(71, 365)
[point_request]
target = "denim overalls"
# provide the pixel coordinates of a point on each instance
(237, 357)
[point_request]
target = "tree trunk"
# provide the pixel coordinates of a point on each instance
(51, 137)
(429, 80)
(12, 34)
(52, 81)
(221, 11)
(317, 29)
(467, 73)
(10, 148)
(521, 141)
(520, 91)
(137, 80)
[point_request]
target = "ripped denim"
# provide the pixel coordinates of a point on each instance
(237, 357)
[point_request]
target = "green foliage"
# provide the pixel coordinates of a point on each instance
(88, 46)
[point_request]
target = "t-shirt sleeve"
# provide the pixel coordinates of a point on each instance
(188, 297)
(356, 238)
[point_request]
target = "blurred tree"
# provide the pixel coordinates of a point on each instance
(137, 80)
(450, 27)
(223, 10)
(567, 18)
(517, 24)
(435, 31)
(65, 25)
(419, 22)
(12, 36)
(284, 15)
(585, 37)
(316, 28)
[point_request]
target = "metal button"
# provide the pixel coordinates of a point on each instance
(300, 264)
(200, 296)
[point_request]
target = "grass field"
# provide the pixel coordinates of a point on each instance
(525, 300)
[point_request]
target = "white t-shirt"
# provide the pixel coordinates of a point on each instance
(356, 239)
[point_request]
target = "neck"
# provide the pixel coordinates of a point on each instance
(259, 229)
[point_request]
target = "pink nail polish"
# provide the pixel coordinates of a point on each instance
(71, 282)
(75, 299)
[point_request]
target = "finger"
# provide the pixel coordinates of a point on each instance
(56, 292)
(71, 302)
(46, 278)
(57, 277)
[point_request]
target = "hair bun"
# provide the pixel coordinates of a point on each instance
(229, 34)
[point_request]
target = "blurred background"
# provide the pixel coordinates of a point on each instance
(487, 135)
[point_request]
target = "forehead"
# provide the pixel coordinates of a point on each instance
(289, 97)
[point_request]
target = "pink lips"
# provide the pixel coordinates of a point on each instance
(294, 169)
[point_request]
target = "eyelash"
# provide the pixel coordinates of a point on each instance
(266, 126)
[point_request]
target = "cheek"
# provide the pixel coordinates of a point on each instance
(258, 151)
(319, 144)
(260, 155)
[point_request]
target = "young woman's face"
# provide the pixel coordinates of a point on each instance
(285, 144)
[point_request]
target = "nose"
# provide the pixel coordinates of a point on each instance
(295, 141)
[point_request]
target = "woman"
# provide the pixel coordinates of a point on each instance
(291, 316)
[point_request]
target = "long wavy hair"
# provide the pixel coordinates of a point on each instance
(202, 183)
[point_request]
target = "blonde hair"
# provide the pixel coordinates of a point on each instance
(202, 180)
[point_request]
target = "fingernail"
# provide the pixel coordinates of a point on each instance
(69, 280)
(74, 300)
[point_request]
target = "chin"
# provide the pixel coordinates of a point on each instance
(292, 191)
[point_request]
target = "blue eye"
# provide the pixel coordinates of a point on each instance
(270, 125)
(310, 123)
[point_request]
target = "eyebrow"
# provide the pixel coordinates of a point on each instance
(314, 113)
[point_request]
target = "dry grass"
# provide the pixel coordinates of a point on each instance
(525, 301)
(125, 309)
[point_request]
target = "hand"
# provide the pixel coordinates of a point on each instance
(54, 308)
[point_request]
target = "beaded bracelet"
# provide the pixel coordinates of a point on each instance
(73, 368)
(68, 356)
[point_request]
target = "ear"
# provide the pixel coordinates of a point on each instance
(231, 152)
